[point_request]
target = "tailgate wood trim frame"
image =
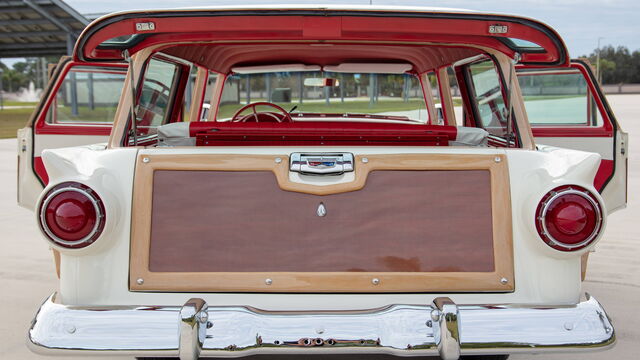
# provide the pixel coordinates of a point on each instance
(321, 282)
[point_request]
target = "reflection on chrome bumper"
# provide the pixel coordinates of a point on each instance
(441, 328)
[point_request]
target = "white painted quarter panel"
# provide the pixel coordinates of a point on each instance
(615, 192)
(600, 145)
(43, 142)
(29, 146)
(100, 276)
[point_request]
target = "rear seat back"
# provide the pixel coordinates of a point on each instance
(317, 133)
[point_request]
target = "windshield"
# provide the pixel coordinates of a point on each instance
(322, 93)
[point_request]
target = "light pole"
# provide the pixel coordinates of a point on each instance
(1, 88)
(598, 61)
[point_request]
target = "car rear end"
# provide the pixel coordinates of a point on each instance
(228, 252)
(324, 234)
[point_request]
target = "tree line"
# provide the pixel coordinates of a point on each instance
(23, 72)
(618, 65)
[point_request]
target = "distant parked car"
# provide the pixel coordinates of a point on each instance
(192, 212)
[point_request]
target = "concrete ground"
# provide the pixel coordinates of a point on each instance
(27, 273)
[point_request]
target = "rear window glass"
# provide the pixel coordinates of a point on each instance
(319, 92)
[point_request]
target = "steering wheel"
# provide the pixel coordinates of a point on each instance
(243, 118)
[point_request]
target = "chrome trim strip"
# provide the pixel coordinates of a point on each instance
(237, 331)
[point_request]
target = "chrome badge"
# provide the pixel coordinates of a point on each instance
(321, 163)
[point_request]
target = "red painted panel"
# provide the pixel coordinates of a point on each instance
(571, 131)
(77, 129)
(444, 28)
(41, 172)
(321, 28)
(605, 171)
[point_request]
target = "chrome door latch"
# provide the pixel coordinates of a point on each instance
(321, 164)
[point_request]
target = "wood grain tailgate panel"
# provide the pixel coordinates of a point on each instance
(242, 221)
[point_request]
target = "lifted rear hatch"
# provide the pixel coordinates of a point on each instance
(107, 38)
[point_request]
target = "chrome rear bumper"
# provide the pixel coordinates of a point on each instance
(441, 328)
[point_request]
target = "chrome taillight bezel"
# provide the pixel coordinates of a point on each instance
(98, 207)
(548, 200)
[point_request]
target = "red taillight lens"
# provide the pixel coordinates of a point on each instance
(72, 215)
(569, 218)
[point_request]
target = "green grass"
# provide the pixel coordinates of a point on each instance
(11, 120)
(19, 103)
(549, 97)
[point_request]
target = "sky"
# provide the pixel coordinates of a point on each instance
(579, 22)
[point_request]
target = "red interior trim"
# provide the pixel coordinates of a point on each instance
(319, 127)
(441, 90)
(319, 133)
(222, 57)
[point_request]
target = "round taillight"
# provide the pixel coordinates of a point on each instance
(72, 215)
(569, 218)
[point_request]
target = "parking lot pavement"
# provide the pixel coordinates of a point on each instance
(27, 274)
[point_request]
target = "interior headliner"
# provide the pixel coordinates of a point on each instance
(222, 57)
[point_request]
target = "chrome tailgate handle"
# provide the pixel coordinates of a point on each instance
(321, 163)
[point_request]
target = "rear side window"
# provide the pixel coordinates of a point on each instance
(488, 97)
(155, 95)
(87, 96)
(559, 98)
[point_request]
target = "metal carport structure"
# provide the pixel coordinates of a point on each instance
(35, 28)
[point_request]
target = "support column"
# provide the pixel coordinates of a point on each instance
(248, 88)
(267, 82)
(301, 87)
(90, 98)
(327, 89)
(70, 42)
(1, 91)
(73, 93)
